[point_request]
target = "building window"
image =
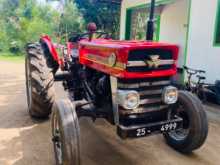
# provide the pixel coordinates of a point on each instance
(136, 23)
(217, 26)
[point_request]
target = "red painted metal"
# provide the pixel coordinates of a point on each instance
(104, 48)
(70, 47)
(47, 40)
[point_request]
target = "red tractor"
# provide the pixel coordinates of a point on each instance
(128, 83)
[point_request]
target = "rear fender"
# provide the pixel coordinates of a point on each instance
(51, 48)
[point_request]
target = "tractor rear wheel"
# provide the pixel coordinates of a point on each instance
(195, 125)
(39, 82)
(65, 133)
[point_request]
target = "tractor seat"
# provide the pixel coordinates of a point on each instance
(201, 77)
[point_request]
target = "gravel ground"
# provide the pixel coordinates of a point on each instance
(24, 141)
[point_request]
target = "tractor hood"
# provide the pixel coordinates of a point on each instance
(129, 59)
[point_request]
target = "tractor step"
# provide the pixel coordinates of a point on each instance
(60, 76)
(137, 131)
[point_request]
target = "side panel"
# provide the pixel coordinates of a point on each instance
(98, 58)
(98, 55)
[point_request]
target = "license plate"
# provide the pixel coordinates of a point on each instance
(148, 129)
(163, 128)
(168, 127)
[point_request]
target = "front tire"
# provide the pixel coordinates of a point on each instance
(39, 82)
(66, 133)
(195, 125)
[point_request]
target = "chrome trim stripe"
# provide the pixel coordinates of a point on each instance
(144, 110)
(143, 84)
(104, 61)
(150, 101)
(150, 92)
(142, 63)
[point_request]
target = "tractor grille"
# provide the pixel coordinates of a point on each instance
(150, 91)
(137, 60)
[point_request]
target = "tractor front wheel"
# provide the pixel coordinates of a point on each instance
(65, 133)
(195, 125)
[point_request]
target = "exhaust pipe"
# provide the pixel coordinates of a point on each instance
(150, 23)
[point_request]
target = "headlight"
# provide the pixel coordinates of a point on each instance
(170, 95)
(128, 99)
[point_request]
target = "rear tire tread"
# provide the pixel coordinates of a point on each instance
(42, 81)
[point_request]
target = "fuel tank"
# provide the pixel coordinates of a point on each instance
(129, 59)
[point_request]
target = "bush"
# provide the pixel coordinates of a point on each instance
(25, 21)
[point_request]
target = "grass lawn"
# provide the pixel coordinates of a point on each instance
(11, 58)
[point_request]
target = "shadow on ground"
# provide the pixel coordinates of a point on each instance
(24, 141)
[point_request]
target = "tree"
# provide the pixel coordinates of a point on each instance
(24, 21)
(8, 22)
(35, 20)
(105, 15)
(71, 19)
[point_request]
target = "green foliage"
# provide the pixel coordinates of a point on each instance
(3, 36)
(24, 21)
(71, 20)
(11, 57)
(105, 15)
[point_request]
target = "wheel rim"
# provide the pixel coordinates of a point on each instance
(182, 133)
(28, 85)
(57, 140)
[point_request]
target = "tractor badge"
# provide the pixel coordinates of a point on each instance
(154, 61)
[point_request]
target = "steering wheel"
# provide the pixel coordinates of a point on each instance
(75, 37)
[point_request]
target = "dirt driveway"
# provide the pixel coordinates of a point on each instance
(27, 142)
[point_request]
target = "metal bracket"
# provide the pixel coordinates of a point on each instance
(114, 88)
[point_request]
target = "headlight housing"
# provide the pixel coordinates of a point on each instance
(170, 95)
(112, 59)
(128, 99)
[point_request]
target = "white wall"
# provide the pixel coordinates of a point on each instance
(127, 4)
(201, 52)
(173, 26)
